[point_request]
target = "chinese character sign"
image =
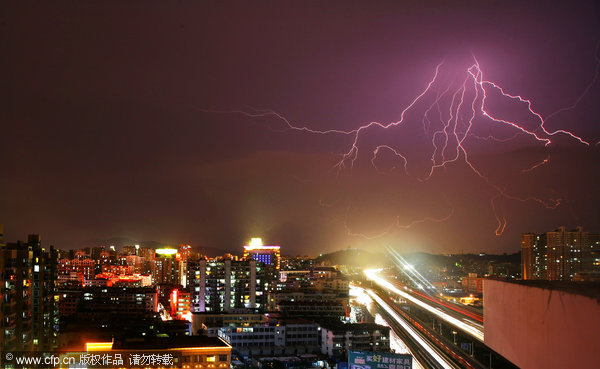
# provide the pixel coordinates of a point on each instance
(378, 360)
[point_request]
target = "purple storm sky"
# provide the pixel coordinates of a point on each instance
(119, 120)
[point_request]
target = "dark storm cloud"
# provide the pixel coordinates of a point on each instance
(106, 131)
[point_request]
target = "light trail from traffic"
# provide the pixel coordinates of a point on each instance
(408, 269)
(426, 346)
(477, 317)
(470, 329)
(396, 343)
(422, 282)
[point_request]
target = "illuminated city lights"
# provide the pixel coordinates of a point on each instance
(98, 346)
(254, 242)
(410, 270)
(306, 185)
(166, 251)
(268, 255)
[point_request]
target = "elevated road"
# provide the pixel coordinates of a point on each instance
(431, 345)
(454, 317)
(424, 351)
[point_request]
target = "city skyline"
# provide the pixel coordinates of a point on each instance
(208, 124)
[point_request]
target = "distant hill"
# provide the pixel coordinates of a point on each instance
(356, 257)
(364, 258)
(459, 264)
(119, 242)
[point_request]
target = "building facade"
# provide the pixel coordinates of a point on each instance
(296, 332)
(268, 255)
(27, 309)
(472, 284)
(338, 338)
(228, 285)
(165, 267)
(122, 301)
(313, 309)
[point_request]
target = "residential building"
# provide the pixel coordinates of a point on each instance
(472, 284)
(229, 285)
(313, 309)
(165, 266)
(202, 323)
(290, 332)
(27, 309)
(123, 301)
(560, 254)
(81, 265)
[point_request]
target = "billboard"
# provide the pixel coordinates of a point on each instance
(378, 360)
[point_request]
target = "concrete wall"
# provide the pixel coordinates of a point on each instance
(536, 327)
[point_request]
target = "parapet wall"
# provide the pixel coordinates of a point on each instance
(541, 327)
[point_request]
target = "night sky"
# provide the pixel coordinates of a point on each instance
(124, 120)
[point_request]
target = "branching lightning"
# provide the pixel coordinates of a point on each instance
(468, 103)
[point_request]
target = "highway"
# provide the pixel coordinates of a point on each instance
(454, 317)
(455, 308)
(427, 354)
(426, 345)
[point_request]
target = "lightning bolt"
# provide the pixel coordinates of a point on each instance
(547, 141)
(376, 152)
(585, 91)
(468, 99)
(396, 224)
(545, 161)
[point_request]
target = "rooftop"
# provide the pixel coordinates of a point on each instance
(337, 325)
(161, 343)
(588, 289)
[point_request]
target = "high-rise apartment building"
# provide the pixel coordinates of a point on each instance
(228, 285)
(27, 309)
(165, 267)
(185, 255)
(559, 254)
(131, 249)
(45, 311)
